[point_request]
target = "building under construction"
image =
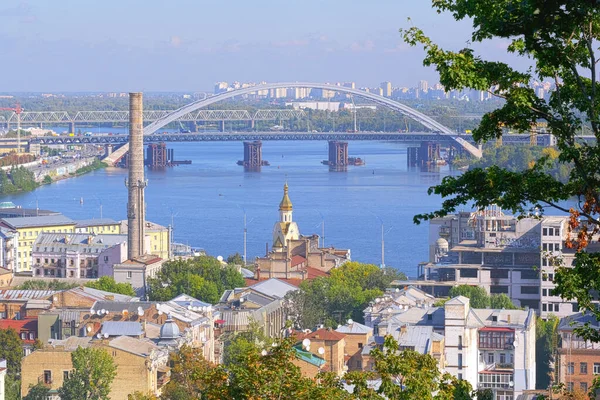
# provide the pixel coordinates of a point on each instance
(158, 156)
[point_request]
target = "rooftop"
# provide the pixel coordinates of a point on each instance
(354, 328)
(323, 334)
(61, 242)
(24, 295)
(32, 222)
(273, 287)
(71, 343)
(82, 223)
(148, 226)
(122, 328)
(308, 357)
(140, 347)
(578, 320)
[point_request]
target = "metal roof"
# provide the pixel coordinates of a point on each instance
(119, 306)
(82, 223)
(122, 328)
(24, 295)
(354, 329)
(273, 287)
(140, 347)
(31, 222)
(62, 242)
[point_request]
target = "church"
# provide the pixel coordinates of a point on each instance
(294, 256)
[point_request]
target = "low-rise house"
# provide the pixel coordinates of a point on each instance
(309, 363)
(27, 329)
(578, 362)
(9, 256)
(137, 271)
(328, 345)
(19, 304)
(357, 337)
(396, 301)
(261, 303)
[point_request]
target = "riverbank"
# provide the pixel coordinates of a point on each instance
(71, 170)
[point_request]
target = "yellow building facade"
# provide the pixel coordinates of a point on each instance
(160, 239)
(28, 229)
(101, 226)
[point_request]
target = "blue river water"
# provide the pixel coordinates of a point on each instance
(206, 200)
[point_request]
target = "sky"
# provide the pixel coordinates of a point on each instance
(188, 45)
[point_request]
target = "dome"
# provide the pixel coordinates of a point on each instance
(286, 203)
(169, 330)
(441, 243)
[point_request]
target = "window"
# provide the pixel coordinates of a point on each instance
(460, 377)
(37, 260)
(575, 307)
(571, 368)
(106, 258)
(596, 368)
(544, 292)
(502, 358)
(460, 364)
(583, 386)
(499, 274)
(530, 274)
(65, 375)
(460, 342)
(583, 368)
(570, 386)
(23, 335)
(545, 231)
(47, 377)
(360, 345)
(496, 289)
(31, 336)
(529, 290)
(490, 358)
(466, 272)
(129, 274)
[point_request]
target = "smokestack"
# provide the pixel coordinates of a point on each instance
(136, 183)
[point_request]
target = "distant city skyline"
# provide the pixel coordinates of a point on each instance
(68, 45)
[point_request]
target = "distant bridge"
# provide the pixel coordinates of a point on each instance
(426, 121)
(79, 117)
(415, 137)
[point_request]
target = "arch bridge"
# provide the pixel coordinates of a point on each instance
(426, 121)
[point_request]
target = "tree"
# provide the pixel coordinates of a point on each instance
(546, 342)
(108, 284)
(343, 294)
(235, 259)
(11, 350)
(478, 296)
(201, 277)
(559, 40)
(93, 373)
(47, 180)
(37, 392)
(502, 301)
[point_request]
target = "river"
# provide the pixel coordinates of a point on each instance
(206, 200)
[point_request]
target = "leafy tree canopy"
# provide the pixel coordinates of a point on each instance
(37, 392)
(343, 294)
(11, 350)
(108, 284)
(560, 40)
(93, 373)
(204, 278)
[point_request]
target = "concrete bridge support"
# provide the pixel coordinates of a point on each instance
(108, 149)
(221, 126)
(253, 155)
(156, 155)
(338, 155)
(427, 154)
(72, 127)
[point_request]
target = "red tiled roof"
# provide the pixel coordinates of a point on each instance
(313, 273)
(297, 260)
(322, 334)
(21, 325)
(252, 281)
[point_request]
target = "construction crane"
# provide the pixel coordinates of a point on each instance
(17, 110)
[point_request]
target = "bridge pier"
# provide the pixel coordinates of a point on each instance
(72, 127)
(156, 155)
(426, 154)
(222, 126)
(338, 155)
(251, 124)
(412, 156)
(253, 156)
(108, 149)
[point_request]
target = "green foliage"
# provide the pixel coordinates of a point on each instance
(141, 396)
(93, 373)
(546, 343)
(96, 164)
(38, 284)
(47, 180)
(480, 299)
(108, 284)
(19, 179)
(11, 350)
(201, 277)
(37, 392)
(235, 259)
(343, 294)
(502, 301)
(478, 296)
(12, 388)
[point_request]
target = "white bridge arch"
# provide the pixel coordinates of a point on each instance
(392, 104)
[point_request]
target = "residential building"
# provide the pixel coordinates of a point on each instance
(261, 303)
(160, 239)
(394, 301)
(3, 371)
(578, 362)
(6, 277)
(10, 210)
(294, 256)
(310, 364)
(387, 88)
(19, 304)
(333, 345)
(500, 253)
(137, 271)
(27, 329)
(27, 230)
(356, 339)
(9, 256)
(492, 349)
(77, 255)
(98, 226)
(142, 364)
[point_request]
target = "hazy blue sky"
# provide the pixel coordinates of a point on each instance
(187, 45)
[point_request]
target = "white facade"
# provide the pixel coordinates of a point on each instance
(2, 379)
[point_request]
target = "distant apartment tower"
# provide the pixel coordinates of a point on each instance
(278, 93)
(387, 88)
(350, 85)
(423, 86)
(221, 87)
